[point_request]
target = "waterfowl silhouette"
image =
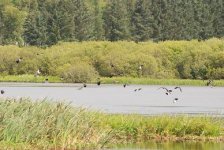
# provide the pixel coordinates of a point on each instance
(175, 100)
(140, 67)
(2, 91)
(167, 90)
(98, 83)
(177, 87)
(124, 85)
(37, 73)
(46, 80)
(138, 89)
(19, 60)
(84, 85)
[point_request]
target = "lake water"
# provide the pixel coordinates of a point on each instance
(117, 99)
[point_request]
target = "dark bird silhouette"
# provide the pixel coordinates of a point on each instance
(177, 87)
(98, 83)
(167, 90)
(19, 60)
(124, 85)
(46, 80)
(175, 100)
(139, 89)
(2, 91)
(84, 85)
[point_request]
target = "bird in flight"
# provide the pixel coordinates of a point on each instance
(2, 91)
(139, 89)
(83, 86)
(19, 60)
(177, 87)
(168, 91)
(175, 100)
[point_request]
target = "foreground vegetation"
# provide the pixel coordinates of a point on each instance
(27, 124)
(114, 80)
(85, 61)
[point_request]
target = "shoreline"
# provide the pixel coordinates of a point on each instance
(110, 81)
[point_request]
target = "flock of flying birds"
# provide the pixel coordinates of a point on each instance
(166, 90)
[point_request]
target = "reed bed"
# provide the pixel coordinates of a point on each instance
(44, 124)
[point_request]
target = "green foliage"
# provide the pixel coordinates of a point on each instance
(79, 72)
(163, 60)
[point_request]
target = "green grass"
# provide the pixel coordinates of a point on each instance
(29, 78)
(149, 81)
(27, 124)
(115, 80)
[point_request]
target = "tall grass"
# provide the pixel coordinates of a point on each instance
(27, 124)
(44, 125)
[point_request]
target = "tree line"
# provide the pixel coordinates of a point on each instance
(46, 22)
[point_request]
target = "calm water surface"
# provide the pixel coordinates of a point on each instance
(117, 99)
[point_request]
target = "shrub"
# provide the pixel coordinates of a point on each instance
(79, 72)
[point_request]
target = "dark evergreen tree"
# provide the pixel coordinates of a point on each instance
(116, 21)
(142, 21)
(98, 21)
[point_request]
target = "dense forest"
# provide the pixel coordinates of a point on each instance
(46, 22)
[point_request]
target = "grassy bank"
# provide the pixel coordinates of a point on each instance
(114, 80)
(26, 124)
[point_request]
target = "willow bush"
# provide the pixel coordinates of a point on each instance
(169, 59)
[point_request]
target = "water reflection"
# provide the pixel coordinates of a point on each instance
(173, 146)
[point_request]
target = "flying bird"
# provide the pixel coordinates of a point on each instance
(139, 89)
(37, 73)
(83, 86)
(2, 91)
(175, 100)
(19, 60)
(168, 91)
(177, 87)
